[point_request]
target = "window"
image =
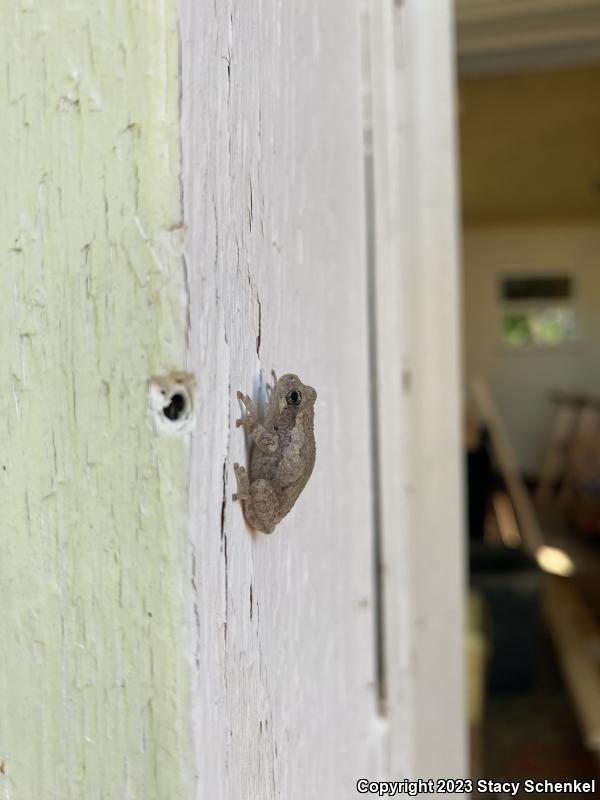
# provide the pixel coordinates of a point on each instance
(537, 310)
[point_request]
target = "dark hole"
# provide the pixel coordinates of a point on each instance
(175, 408)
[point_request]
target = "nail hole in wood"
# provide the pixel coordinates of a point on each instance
(172, 402)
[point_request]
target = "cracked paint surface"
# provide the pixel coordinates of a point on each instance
(283, 683)
(94, 665)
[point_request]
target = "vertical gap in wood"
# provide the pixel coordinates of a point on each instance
(371, 262)
(375, 430)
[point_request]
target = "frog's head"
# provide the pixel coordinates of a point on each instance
(293, 396)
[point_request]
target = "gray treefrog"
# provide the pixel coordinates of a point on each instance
(283, 452)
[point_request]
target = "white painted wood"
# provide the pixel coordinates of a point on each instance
(392, 357)
(284, 695)
(416, 286)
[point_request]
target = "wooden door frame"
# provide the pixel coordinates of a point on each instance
(414, 264)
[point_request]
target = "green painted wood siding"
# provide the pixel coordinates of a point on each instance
(93, 667)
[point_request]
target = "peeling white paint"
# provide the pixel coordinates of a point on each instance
(284, 694)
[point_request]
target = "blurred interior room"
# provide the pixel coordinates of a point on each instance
(528, 107)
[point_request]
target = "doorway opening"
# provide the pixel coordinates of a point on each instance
(528, 84)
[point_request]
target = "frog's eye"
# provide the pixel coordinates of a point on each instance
(293, 398)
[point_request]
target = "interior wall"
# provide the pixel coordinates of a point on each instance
(521, 380)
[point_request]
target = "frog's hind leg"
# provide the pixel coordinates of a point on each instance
(262, 510)
(243, 484)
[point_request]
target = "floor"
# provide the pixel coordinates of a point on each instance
(584, 552)
(534, 734)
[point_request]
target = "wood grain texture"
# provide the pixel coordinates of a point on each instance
(284, 695)
(93, 675)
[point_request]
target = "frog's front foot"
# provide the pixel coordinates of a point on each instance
(271, 389)
(251, 417)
